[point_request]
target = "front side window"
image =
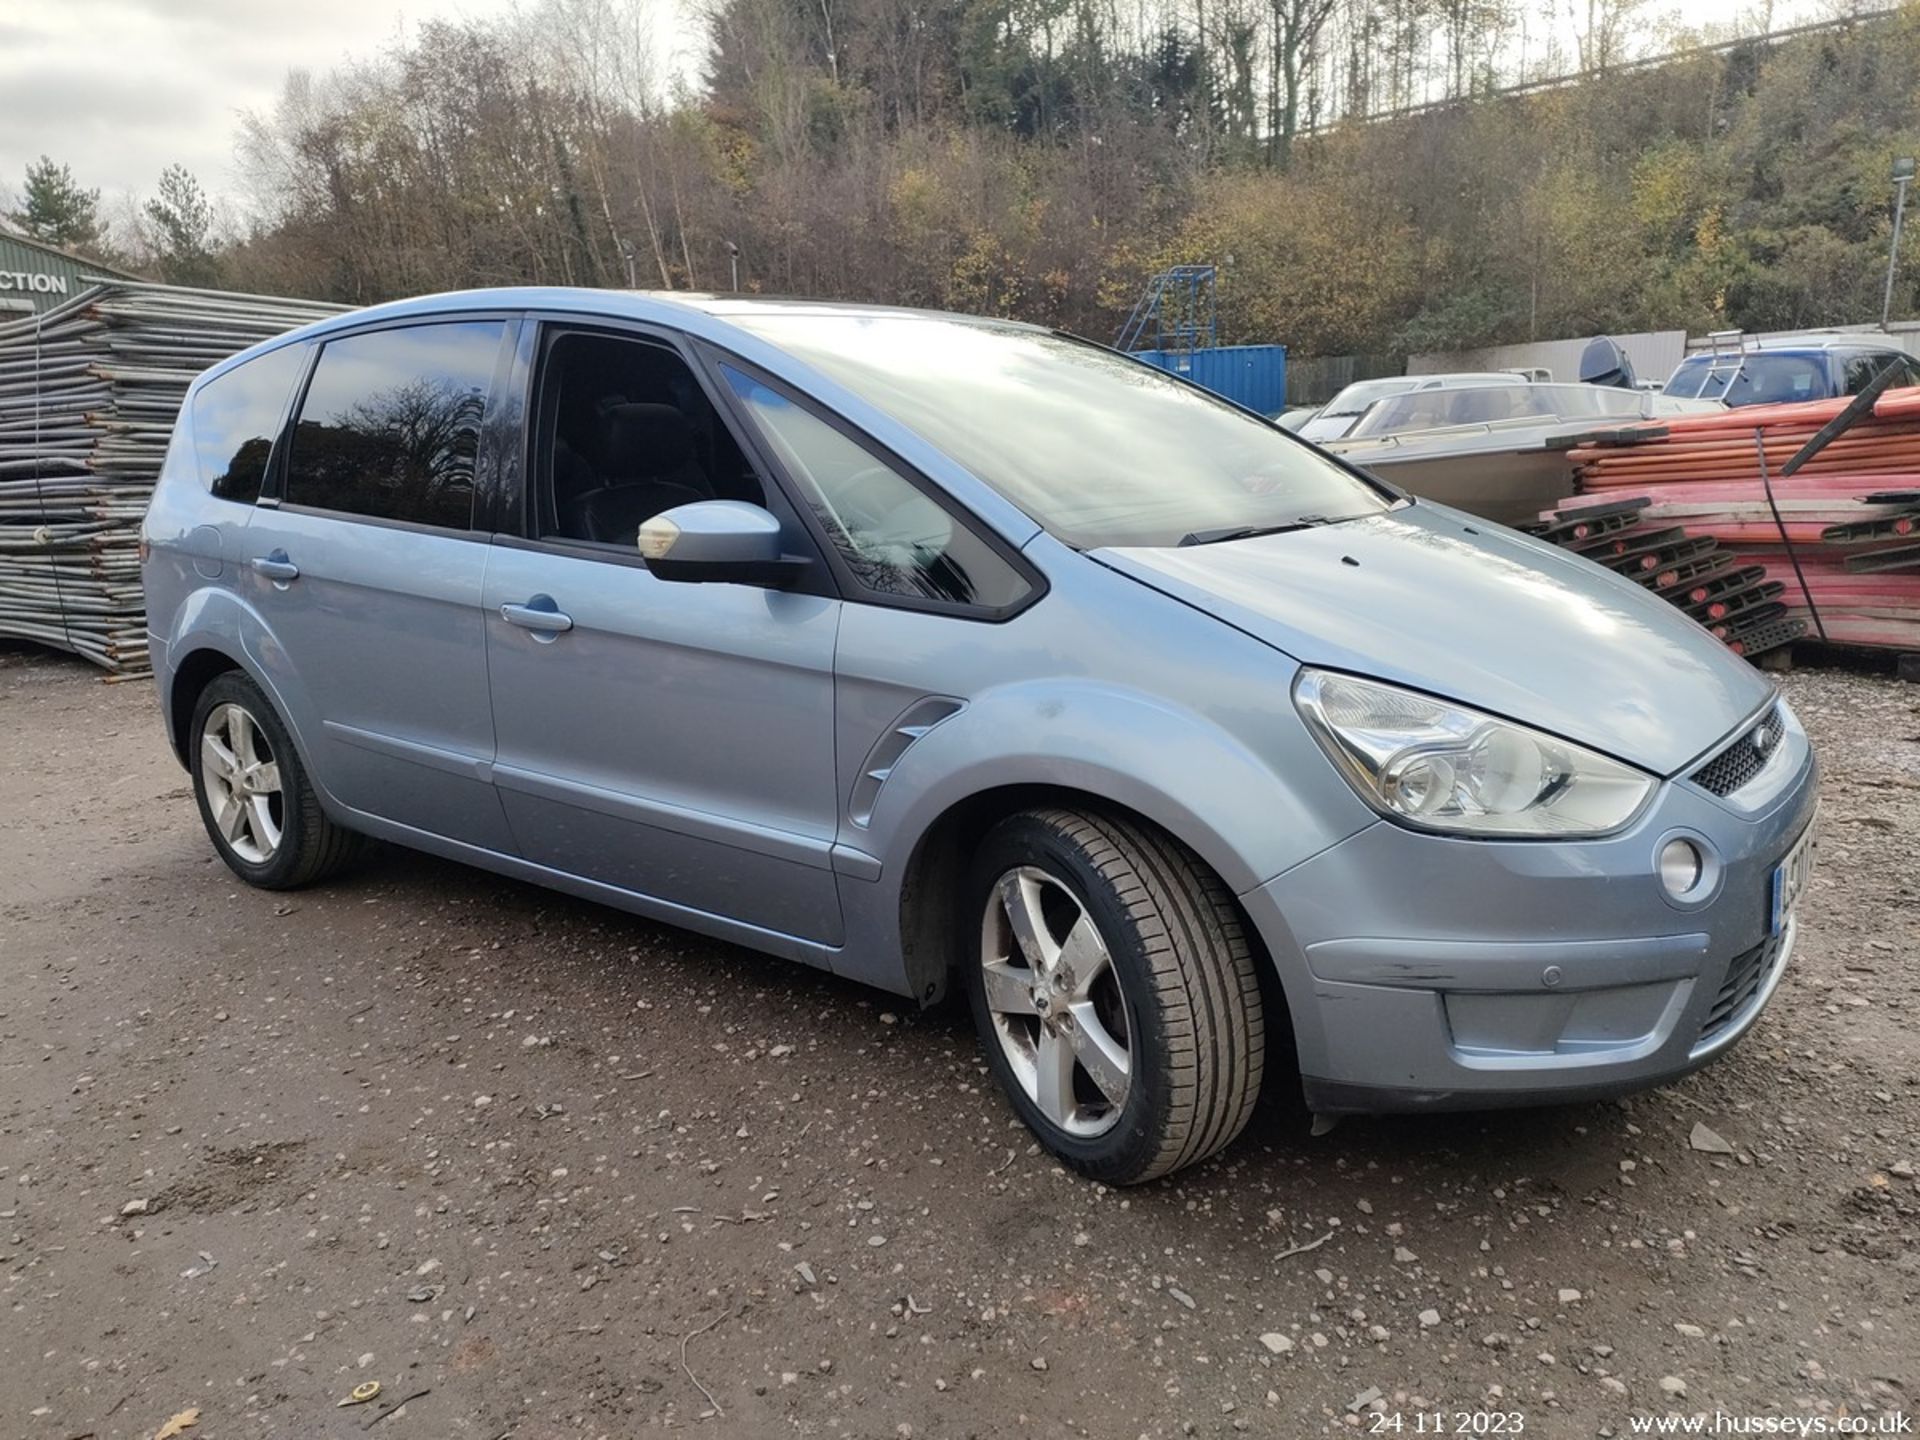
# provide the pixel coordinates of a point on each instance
(237, 416)
(893, 536)
(1863, 370)
(390, 426)
(1098, 448)
(626, 432)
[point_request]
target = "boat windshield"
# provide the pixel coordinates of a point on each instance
(1493, 404)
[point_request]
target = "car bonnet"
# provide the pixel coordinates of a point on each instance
(1429, 598)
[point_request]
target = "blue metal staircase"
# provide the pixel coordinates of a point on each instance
(1176, 313)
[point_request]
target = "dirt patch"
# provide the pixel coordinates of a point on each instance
(233, 1178)
(586, 1142)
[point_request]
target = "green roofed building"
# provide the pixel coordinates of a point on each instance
(36, 277)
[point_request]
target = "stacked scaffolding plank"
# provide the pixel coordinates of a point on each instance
(1701, 510)
(88, 395)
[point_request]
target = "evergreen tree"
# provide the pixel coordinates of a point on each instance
(182, 221)
(54, 208)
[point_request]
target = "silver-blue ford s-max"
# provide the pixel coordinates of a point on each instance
(942, 652)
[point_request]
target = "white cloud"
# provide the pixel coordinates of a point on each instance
(120, 89)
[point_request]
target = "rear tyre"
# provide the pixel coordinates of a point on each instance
(259, 808)
(1115, 992)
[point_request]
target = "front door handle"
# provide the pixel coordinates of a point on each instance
(277, 567)
(539, 614)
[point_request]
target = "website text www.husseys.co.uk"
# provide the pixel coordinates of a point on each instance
(1890, 1422)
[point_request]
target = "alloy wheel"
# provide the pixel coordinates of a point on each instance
(241, 780)
(1055, 1000)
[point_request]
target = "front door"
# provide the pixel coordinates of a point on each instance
(672, 740)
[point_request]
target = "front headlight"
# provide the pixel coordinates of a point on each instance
(1445, 767)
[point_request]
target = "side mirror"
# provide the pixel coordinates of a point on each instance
(725, 541)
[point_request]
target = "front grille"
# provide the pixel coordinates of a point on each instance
(1745, 758)
(1746, 974)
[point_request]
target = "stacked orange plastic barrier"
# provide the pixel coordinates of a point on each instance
(1685, 501)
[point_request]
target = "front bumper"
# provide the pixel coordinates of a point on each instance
(1426, 972)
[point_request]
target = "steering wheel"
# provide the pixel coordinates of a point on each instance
(862, 501)
(889, 521)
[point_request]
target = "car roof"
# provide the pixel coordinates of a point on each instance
(712, 318)
(1812, 345)
(706, 315)
(680, 307)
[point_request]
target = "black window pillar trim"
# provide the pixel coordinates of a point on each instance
(269, 492)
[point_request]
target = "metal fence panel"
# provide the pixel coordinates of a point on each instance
(88, 395)
(1654, 353)
(1316, 381)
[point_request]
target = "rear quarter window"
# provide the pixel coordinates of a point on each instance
(390, 425)
(237, 418)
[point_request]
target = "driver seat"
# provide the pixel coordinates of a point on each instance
(649, 465)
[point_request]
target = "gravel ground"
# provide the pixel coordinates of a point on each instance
(559, 1172)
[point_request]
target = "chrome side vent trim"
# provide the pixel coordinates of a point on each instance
(920, 717)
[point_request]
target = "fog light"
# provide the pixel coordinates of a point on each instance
(1680, 867)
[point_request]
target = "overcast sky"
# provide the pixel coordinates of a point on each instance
(119, 89)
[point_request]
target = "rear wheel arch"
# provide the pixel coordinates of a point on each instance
(191, 676)
(251, 786)
(204, 663)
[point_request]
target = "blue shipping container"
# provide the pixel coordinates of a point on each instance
(1251, 375)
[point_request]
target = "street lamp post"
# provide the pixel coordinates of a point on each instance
(1902, 177)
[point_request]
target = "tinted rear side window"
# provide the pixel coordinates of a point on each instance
(391, 423)
(236, 419)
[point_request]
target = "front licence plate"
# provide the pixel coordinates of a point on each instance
(1790, 878)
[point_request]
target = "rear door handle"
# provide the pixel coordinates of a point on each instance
(539, 614)
(276, 566)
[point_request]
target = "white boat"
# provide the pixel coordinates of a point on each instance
(1497, 451)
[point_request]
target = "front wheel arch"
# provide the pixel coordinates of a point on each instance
(1115, 991)
(934, 885)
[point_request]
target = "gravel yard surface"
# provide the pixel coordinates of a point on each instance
(558, 1172)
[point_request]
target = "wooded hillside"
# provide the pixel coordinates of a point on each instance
(1041, 158)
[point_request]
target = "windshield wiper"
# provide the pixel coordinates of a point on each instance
(1248, 532)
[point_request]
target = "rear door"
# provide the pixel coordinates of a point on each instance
(365, 564)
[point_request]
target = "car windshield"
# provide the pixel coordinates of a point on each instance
(1759, 379)
(1097, 448)
(1488, 404)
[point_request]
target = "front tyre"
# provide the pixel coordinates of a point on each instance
(259, 808)
(1115, 992)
